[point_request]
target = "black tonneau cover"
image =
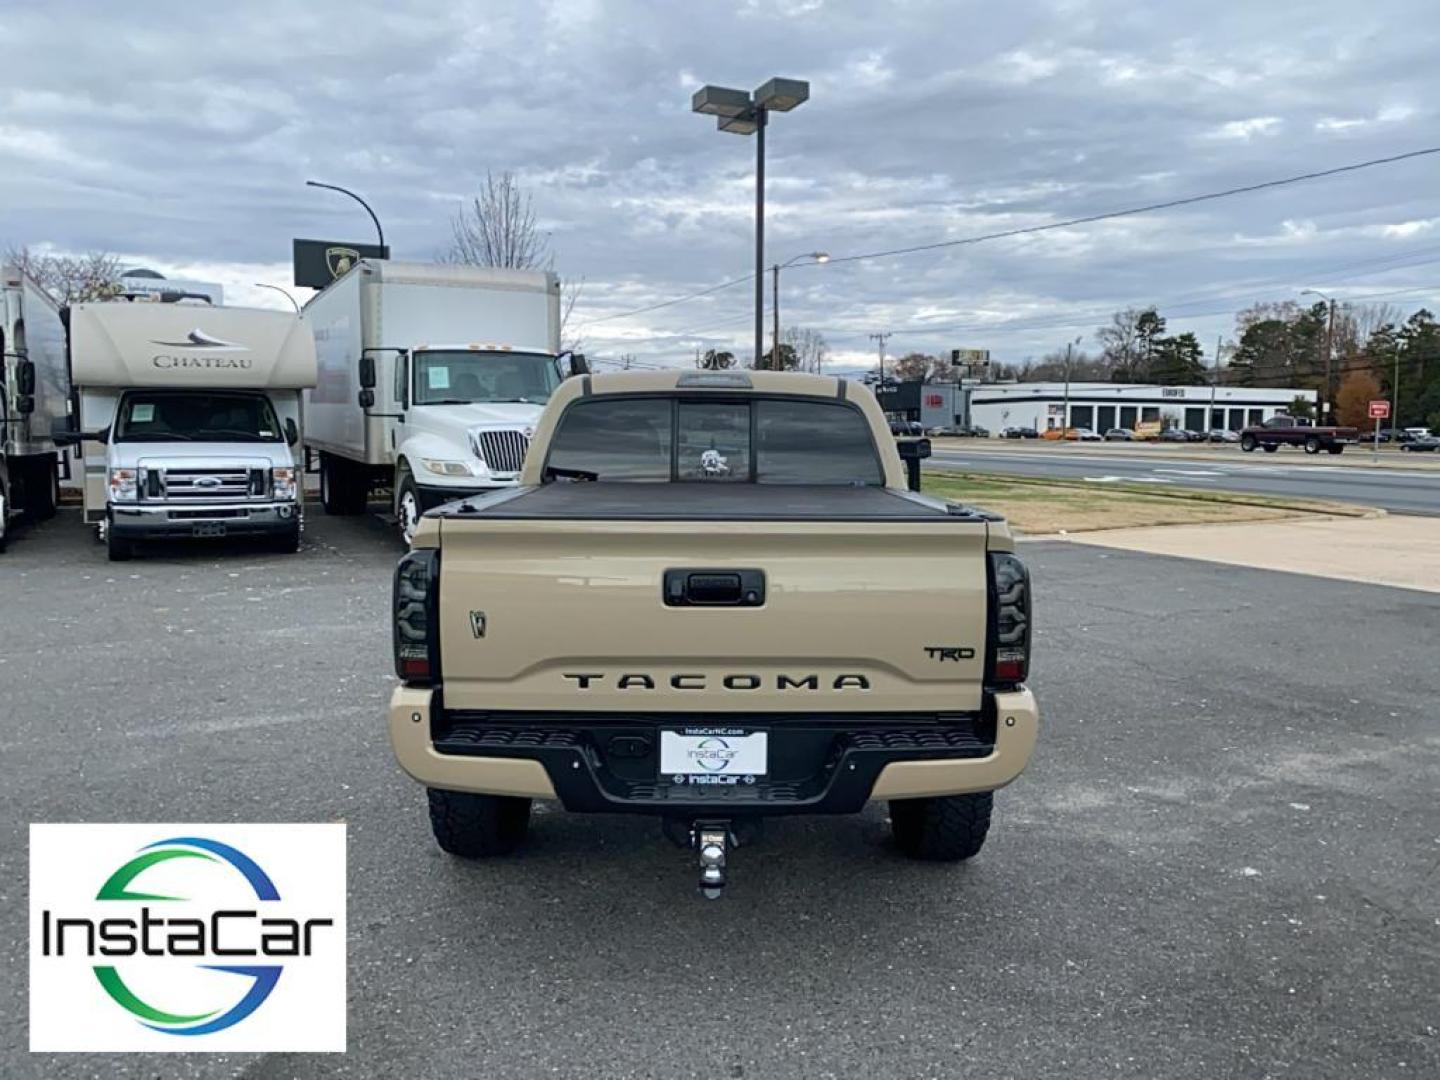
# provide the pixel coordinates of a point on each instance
(616, 501)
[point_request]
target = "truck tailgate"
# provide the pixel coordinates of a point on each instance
(551, 614)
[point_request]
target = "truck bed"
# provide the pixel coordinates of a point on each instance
(599, 501)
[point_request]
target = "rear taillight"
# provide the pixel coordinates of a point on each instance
(1008, 654)
(417, 617)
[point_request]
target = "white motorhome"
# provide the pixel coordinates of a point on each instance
(190, 418)
(431, 378)
(34, 398)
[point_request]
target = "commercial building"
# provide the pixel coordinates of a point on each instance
(1099, 406)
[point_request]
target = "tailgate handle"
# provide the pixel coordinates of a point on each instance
(714, 588)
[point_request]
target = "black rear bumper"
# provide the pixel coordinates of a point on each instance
(816, 765)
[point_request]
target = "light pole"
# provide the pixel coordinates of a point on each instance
(815, 256)
(746, 114)
(293, 302)
(1328, 405)
(346, 191)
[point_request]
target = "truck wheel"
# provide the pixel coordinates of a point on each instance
(1336, 448)
(42, 490)
(1248, 443)
(407, 507)
(4, 514)
(1270, 448)
(946, 828)
(477, 826)
(1312, 445)
(343, 486)
(118, 548)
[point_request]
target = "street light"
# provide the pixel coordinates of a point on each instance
(740, 113)
(346, 191)
(295, 304)
(1065, 409)
(1327, 405)
(813, 256)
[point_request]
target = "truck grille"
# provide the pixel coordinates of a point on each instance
(226, 484)
(503, 451)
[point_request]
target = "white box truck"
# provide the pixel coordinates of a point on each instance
(431, 378)
(34, 398)
(190, 419)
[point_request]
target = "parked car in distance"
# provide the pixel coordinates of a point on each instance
(1019, 433)
(1421, 444)
(1082, 434)
(906, 428)
(1119, 434)
(1417, 432)
(1174, 435)
(1223, 435)
(1281, 430)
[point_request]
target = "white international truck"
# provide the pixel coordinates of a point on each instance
(431, 378)
(34, 398)
(190, 420)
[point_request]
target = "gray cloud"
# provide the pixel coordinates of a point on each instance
(184, 140)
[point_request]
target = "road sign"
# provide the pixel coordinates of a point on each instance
(1379, 410)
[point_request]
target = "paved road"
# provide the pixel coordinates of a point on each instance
(1222, 862)
(1409, 491)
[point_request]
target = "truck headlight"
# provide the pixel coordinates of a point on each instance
(283, 484)
(447, 468)
(123, 486)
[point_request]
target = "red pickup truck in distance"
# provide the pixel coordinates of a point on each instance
(1281, 430)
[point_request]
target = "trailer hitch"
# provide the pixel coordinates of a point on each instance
(710, 839)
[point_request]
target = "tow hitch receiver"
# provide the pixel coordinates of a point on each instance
(710, 839)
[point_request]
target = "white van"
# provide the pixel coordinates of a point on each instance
(190, 418)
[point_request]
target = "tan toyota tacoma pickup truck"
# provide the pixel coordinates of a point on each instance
(712, 599)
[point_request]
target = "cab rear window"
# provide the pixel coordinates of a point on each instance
(714, 440)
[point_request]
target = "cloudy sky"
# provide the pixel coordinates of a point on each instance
(180, 137)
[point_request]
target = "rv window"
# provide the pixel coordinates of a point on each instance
(196, 416)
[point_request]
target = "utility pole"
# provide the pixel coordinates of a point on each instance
(775, 311)
(1065, 409)
(1214, 382)
(1395, 395)
(881, 337)
(760, 115)
(1329, 354)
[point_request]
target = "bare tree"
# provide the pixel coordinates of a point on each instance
(70, 279)
(810, 348)
(498, 228)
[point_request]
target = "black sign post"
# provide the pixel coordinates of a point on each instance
(319, 262)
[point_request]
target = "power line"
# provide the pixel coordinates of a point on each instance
(1147, 208)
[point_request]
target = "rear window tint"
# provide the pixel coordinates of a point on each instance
(710, 440)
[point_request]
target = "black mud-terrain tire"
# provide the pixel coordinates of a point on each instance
(1249, 442)
(1312, 445)
(477, 826)
(117, 547)
(1336, 448)
(1271, 447)
(947, 828)
(4, 513)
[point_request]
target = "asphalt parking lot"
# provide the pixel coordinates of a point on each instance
(1223, 862)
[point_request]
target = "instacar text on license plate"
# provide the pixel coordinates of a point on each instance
(713, 755)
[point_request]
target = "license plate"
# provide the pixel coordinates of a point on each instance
(208, 528)
(713, 755)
